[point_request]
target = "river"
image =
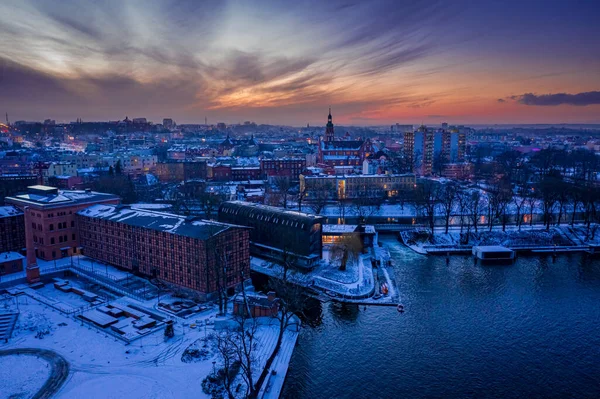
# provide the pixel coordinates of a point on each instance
(527, 330)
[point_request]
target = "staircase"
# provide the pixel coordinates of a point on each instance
(7, 324)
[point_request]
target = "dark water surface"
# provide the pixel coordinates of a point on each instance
(528, 330)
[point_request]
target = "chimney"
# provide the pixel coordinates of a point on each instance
(271, 296)
(32, 270)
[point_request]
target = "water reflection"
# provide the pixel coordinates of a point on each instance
(470, 331)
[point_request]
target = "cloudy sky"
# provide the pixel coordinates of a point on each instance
(284, 62)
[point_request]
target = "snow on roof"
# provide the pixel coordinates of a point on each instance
(339, 228)
(9, 256)
(8, 211)
(155, 220)
(43, 195)
(492, 248)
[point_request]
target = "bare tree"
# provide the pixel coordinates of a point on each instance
(426, 201)
(224, 341)
(547, 193)
(364, 206)
(347, 248)
(209, 199)
(447, 200)
(245, 346)
(318, 199)
(283, 185)
(476, 207)
(499, 196)
(463, 200)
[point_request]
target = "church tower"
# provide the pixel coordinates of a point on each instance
(329, 135)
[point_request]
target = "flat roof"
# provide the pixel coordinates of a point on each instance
(46, 196)
(8, 211)
(492, 248)
(156, 220)
(9, 256)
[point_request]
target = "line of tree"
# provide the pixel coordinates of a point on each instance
(558, 184)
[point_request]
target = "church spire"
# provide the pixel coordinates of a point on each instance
(329, 134)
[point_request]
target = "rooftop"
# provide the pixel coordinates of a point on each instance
(155, 220)
(8, 211)
(10, 256)
(267, 213)
(51, 196)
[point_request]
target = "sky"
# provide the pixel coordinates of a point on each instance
(375, 62)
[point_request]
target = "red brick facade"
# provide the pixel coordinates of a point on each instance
(182, 260)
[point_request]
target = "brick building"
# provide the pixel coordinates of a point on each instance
(11, 262)
(291, 167)
(184, 251)
(241, 173)
(172, 171)
(12, 229)
(334, 152)
(50, 218)
(220, 172)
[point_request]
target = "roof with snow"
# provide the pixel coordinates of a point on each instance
(46, 196)
(9, 211)
(160, 221)
(10, 256)
(266, 212)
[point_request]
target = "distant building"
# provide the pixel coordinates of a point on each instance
(12, 229)
(398, 128)
(50, 223)
(174, 171)
(334, 152)
(13, 184)
(168, 123)
(188, 252)
(277, 232)
(240, 173)
(59, 169)
(140, 121)
(418, 150)
(460, 171)
(290, 167)
(357, 186)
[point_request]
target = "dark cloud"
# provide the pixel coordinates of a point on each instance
(579, 99)
(24, 89)
(501, 100)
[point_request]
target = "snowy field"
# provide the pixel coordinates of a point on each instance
(22, 376)
(104, 367)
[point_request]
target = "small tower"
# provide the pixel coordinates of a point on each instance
(329, 135)
(32, 270)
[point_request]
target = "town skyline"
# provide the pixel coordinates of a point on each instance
(428, 63)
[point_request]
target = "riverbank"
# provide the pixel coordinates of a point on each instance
(362, 282)
(528, 238)
(524, 331)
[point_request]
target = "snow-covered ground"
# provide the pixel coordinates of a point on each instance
(103, 367)
(22, 375)
(420, 239)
